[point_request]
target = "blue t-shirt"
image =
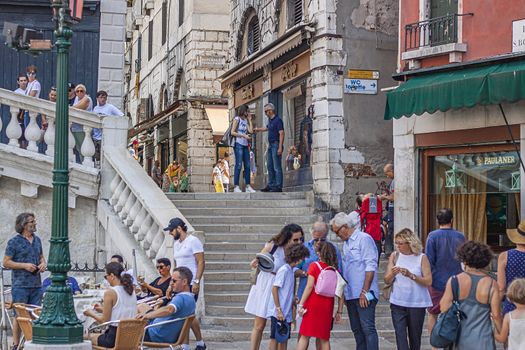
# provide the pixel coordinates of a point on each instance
(21, 251)
(441, 248)
(274, 126)
(169, 333)
(71, 281)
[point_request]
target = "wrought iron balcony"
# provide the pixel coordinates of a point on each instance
(432, 32)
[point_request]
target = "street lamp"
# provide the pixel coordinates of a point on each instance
(58, 323)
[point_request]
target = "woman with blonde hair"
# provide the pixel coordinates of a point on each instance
(409, 274)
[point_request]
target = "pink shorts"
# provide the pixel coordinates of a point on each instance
(436, 296)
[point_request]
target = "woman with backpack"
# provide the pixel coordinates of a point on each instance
(241, 130)
(316, 308)
(261, 293)
(479, 298)
(409, 275)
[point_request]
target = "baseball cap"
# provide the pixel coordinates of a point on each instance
(282, 333)
(174, 223)
(354, 221)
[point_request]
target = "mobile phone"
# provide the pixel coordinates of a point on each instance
(370, 296)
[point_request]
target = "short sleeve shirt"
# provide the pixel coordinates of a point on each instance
(184, 253)
(274, 126)
(33, 86)
(107, 109)
(184, 304)
(22, 251)
(284, 279)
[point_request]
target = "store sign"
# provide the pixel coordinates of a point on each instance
(291, 70)
(497, 160)
(248, 92)
(360, 86)
(211, 61)
(518, 35)
(363, 74)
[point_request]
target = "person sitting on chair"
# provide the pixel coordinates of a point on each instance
(182, 305)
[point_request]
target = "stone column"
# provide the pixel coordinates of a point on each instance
(328, 129)
(111, 57)
(405, 205)
(201, 150)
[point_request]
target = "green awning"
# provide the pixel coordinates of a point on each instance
(503, 82)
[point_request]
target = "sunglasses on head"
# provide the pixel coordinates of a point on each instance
(53, 88)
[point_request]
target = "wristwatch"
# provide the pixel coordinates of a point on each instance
(196, 281)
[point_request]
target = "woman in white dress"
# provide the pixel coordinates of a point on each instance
(261, 292)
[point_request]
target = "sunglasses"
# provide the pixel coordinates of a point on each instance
(80, 91)
(173, 280)
(339, 229)
(31, 73)
(297, 240)
(159, 267)
(319, 240)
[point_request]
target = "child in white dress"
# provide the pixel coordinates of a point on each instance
(513, 326)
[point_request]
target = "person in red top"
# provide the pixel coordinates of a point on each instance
(317, 310)
(370, 214)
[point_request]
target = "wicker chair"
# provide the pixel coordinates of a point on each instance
(26, 310)
(26, 326)
(184, 334)
(129, 334)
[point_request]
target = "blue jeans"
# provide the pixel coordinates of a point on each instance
(242, 155)
(275, 170)
(362, 322)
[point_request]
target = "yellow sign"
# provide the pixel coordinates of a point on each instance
(363, 74)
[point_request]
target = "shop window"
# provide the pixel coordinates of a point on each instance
(254, 35)
(483, 191)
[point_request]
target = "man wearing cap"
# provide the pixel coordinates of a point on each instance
(360, 270)
(441, 248)
(275, 130)
(188, 251)
(102, 108)
(511, 264)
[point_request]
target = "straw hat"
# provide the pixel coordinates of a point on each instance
(517, 235)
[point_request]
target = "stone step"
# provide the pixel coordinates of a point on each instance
(246, 212)
(245, 256)
(232, 245)
(241, 276)
(235, 203)
(225, 297)
(201, 220)
(236, 196)
(244, 228)
(248, 237)
(225, 266)
(224, 286)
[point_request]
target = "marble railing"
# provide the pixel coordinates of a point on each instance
(33, 133)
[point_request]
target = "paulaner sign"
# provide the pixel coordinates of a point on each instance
(497, 160)
(518, 35)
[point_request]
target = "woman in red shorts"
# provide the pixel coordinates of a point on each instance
(317, 310)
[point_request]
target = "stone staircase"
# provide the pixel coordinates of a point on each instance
(236, 226)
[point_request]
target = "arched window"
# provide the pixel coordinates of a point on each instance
(254, 35)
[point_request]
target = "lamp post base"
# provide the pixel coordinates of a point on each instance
(86, 345)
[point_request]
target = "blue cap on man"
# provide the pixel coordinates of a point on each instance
(174, 223)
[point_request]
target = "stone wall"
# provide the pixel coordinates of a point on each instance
(83, 225)
(111, 58)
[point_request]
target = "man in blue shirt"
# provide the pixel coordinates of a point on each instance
(24, 256)
(182, 305)
(441, 248)
(360, 270)
(275, 130)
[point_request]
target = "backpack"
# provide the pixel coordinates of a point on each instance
(227, 138)
(326, 282)
(370, 215)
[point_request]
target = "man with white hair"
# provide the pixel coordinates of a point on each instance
(275, 130)
(360, 270)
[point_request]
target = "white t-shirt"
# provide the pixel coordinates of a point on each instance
(33, 86)
(108, 109)
(20, 91)
(184, 253)
(226, 172)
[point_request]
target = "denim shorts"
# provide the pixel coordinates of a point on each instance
(274, 326)
(31, 296)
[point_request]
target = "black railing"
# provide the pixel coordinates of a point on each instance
(432, 32)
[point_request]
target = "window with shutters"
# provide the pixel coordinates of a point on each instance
(164, 21)
(299, 112)
(254, 36)
(150, 40)
(295, 12)
(181, 12)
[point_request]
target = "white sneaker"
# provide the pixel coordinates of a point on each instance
(237, 189)
(249, 189)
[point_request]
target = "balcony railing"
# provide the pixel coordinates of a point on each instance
(432, 32)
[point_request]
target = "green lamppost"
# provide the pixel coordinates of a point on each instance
(58, 323)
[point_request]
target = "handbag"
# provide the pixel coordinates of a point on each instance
(448, 325)
(255, 270)
(341, 284)
(387, 289)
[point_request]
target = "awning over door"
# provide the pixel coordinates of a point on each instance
(503, 82)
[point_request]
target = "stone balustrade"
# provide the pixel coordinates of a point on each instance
(34, 134)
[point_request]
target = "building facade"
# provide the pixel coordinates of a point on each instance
(458, 123)
(175, 52)
(322, 64)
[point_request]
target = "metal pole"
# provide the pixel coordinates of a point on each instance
(58, 323)
(3, 324)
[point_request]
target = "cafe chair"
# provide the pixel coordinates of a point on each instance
(129, 334)
(184, 334)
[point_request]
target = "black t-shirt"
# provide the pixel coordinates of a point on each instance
(163, 286)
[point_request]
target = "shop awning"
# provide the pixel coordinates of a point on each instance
(219, 119)
(493, 84)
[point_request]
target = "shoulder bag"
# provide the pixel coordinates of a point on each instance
(447, 328)
(387, 289)
(255, 270)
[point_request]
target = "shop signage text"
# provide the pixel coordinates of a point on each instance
(360, 86)
(499, 160)
(291, 70)
(211, 61)
(363, 74)
(518, 35)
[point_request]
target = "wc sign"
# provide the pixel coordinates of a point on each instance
(518, 35)
(360, 86)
